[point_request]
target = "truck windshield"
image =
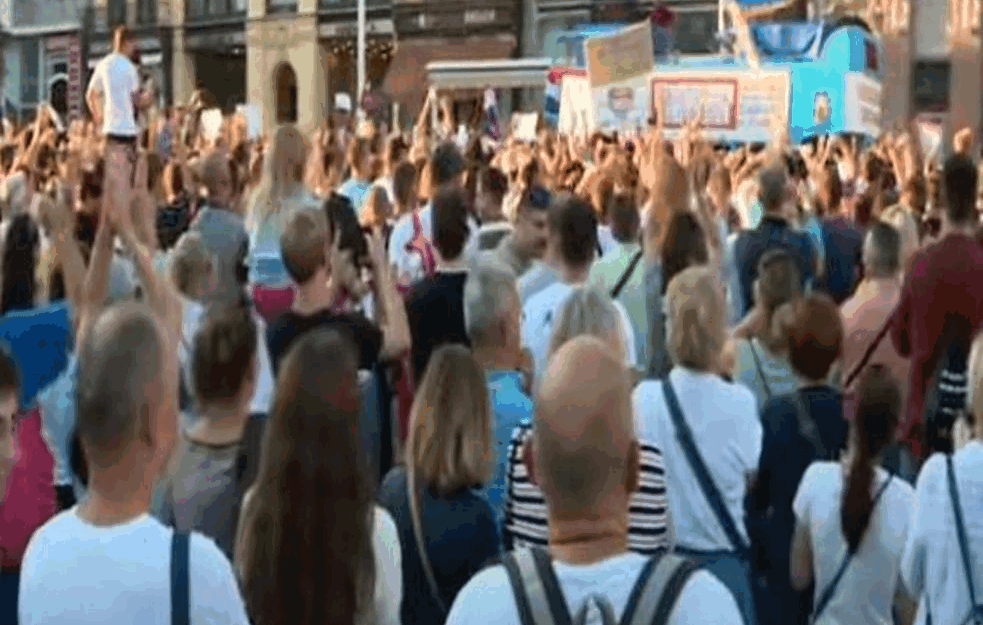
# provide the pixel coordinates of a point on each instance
(786, 39)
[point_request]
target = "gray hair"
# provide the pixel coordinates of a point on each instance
(489, 293)
(587, 311)
(882, 250)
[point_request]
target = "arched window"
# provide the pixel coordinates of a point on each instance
(58, 96)
(285, 84)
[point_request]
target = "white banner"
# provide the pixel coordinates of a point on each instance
(740, 106)
(576, 106)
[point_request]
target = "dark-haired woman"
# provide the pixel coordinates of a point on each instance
(312, 547)
(852, 520)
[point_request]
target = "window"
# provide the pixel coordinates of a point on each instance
(281, 6)
(147, 11)
(214, 8)
(286, 94)
(930, 86)
(116, 12)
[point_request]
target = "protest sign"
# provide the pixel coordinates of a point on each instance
(211, 124)
(740, 106)
(862, 105)
(253, 118)
(576, 106)
(620, 57)
(524, 126)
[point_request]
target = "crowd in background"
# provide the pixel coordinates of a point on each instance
(426, 377)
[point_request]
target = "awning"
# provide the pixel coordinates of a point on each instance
(498, 74)
(406, 78)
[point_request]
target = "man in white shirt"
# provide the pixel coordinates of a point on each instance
(114, 96)
(106, 560)
(571, 245)
(585, 457)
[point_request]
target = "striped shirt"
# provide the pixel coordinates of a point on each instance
(525, 508)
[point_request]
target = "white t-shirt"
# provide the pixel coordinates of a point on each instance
(116, 78)
(725, 424)
(932, 566)
(540, 315)
(488, 597)
(865, 593)
(78, 573)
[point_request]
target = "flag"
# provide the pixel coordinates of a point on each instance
(491, 115)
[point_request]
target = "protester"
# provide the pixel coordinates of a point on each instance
(842, 239)
(279, 195)
(491, 188)
(222, 230)
(571, 242)
(204, 487)
(852, 520)
(324, 273)
(939, 567)
(762, 363)
(447, 529)
(867, 315)
(587, 461)
(335, 559)
(522, 249)
(435, 306)
(356, 188)
(723, 430)
(9, 405)
(774, 231)
(589, 312)
(492, 315)
(619, 273)
(799, 428)
(941, 303)
(109, 561)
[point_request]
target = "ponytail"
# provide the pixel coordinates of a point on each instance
(872, 430)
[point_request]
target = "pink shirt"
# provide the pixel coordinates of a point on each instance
(864, 316)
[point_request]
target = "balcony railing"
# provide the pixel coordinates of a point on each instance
(454, 17)
(198, 10)
(330, 5)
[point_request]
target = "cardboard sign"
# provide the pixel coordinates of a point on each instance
(740, 106)
(211, 124)
(576, 106)
(620, 57)
(254, 120)
(524, 126)
(622, 107)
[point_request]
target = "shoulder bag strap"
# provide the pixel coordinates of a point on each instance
(807, 427)
(537, 592)
(869, 352)
(657, 590)
(413, 493)
(827, 594)
(626, 275)
(760, 368)
(699, 467)
(180, 597)
(961, 534)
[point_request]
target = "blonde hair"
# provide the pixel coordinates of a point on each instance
(449, 446)
(283, 173)
(588, 311)
(697, 313)
(191, 265)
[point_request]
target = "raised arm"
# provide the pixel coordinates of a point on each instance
(57, 218)
(390, 311)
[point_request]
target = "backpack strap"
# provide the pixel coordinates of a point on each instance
(657, 590)
(626, 275)
(807, 427)
(827, 594)
(976, 610)
(537, 591)
(603, 606)
(710, 491)
(180, 597)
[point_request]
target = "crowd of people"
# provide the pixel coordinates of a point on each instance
(429, 377)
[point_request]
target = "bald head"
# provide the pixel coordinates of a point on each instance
(586, 457)
(121, 374)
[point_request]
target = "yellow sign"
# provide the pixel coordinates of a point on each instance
(619, 57)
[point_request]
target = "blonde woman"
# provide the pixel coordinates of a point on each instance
(281, 192)
(447, 529)
(708, 431)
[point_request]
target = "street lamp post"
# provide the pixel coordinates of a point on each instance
(360, 51)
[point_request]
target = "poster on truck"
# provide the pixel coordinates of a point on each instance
(618, 66)
(733, 106)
